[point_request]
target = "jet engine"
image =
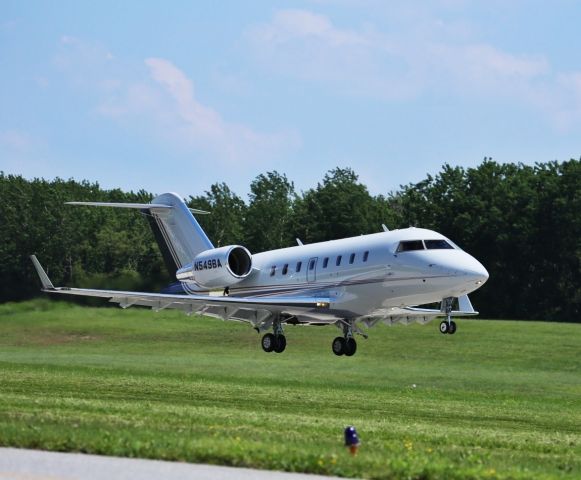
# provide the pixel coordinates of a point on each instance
(218, 267)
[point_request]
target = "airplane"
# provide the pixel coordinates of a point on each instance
(350, 283)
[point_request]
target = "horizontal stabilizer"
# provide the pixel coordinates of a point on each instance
(46, 283)
(120, 205)
(139, 206)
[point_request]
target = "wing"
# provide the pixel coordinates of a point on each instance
(259, 311)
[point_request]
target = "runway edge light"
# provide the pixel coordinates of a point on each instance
(352, 440)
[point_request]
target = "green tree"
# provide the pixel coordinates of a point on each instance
(269, 216)
(339, 207)
(225, 223)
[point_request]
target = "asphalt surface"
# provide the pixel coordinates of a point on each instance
(17, 464)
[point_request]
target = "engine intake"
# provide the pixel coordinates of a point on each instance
(219, 267)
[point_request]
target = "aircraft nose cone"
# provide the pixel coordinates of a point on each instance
(473, 269)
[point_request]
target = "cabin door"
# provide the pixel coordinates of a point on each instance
(312, 269)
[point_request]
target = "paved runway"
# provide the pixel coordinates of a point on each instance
(17, 464)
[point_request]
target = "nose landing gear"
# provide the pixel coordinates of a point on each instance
(448, 325)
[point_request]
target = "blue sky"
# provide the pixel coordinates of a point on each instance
(174, 96)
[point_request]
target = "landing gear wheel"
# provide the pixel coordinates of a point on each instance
(279, 343)
(339, 346)
(452, 328)
(444, 327)
(268, 342)
(350, 347)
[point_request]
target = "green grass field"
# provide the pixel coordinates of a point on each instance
(496, 400)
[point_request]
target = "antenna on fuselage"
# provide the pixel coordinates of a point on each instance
(385, 229)
(299, 242)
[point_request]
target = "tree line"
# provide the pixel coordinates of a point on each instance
(522, 222)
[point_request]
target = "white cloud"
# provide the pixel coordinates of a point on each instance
(85, 64)
(201, 121)
(23, 153)
(16, 140)
(157, 98)
(290, 24)
(486, 69)
(421, 55)
(309, 46)
(199, 126)
(562, 100)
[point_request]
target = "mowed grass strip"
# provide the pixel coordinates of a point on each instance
(496, 400)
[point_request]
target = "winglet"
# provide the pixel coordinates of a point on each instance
(46, 283)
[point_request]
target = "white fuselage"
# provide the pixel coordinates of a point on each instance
(366, 274)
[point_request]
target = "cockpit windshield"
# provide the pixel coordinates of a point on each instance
(410, 245)
(437, 244)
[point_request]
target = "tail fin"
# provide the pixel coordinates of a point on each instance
(177, 232)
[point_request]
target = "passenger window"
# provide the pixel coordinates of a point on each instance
(311, 265)
(410, 245)
(351, 259)
(339, 260)
(299, 265)
(325, 262)
(272, 270)
(366, 256)
(285, 269)
(437, 244)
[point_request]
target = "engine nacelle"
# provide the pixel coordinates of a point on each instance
(219, 267)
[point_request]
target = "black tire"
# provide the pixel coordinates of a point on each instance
(350, 347)
(444, 327)
(338, 346)
(279, 343)
(452, 328)
(268, 342)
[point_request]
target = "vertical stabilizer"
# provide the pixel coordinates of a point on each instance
(177, 232)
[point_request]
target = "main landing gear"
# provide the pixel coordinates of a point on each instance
(448, 325)
(274, 342)
(345, 345)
